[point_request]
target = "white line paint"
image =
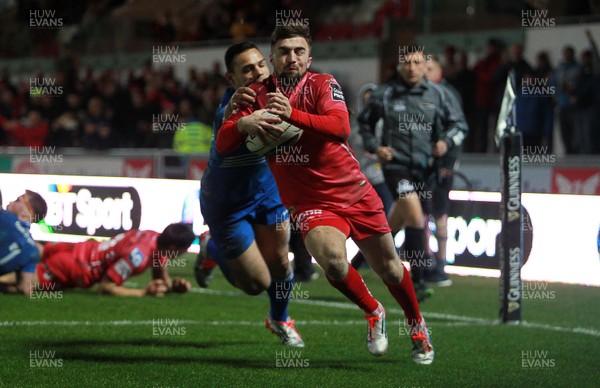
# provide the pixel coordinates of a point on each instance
(182, 322)
(455, 320)
(433, 315)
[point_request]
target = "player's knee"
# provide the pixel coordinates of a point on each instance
(279, 265)
(389, 268)
(393, 274)
(253, 288)
(336, 269)
(253, 284)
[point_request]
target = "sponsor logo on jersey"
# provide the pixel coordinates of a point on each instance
(426, 105)
(399, 106)
(123, 269)
(137, 257)
(336, 92)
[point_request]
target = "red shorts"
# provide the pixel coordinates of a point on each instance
(364, 219)
(60, 266)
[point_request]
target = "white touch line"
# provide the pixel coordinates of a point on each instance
(457, 320)
(179, 322)
(433, 315)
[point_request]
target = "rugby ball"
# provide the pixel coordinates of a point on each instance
(263, 145)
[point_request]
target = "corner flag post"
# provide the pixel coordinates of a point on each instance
(508, 138)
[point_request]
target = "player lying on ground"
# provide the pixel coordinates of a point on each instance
(328, 197)
(110, 263)
(18, 251)
(249, 228)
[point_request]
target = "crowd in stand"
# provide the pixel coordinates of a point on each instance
(109, 109)
(570, 92)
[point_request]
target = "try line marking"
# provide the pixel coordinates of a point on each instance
(593, 333)
(453, 320)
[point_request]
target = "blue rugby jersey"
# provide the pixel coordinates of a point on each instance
(234, 182)
(18, 251)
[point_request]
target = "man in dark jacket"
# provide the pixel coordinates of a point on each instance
(420, 125)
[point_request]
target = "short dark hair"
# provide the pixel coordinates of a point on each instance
(38, 205)
(412, 49)
(291, 31)
(235, 50)
(178, 234)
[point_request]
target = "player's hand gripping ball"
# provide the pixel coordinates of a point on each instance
(264, 145)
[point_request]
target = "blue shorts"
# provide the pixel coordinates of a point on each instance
(233, 233)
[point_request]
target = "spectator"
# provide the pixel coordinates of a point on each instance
(486, 93)
(465, 83)
(242, 29)
(543, 71)
(515, 62)
(584, 105)
(450, 67)
(8, 105)
(98, 111)
(535, 117)
(565, 79)
(65, 131)
(195, 137)
(543, 66)
(31, 132)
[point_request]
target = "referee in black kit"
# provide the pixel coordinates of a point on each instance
(420, 126)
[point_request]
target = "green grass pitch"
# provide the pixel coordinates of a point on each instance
(216, 338)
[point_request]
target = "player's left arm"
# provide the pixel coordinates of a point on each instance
(454, 125)
(178, 285)
(155, 287)
(131, 262)
(331, 118)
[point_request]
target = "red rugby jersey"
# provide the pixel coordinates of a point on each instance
(320, 170)
(125, 255)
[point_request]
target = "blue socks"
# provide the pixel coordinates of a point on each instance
(279, 295)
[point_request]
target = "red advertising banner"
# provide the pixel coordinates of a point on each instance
(196, 169)
(576, 181)
(138, 168)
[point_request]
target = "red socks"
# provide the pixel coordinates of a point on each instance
(404, 293)
(355, 289)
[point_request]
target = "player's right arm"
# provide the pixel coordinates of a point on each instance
(242, 123)
(243, 97)
(155, 287)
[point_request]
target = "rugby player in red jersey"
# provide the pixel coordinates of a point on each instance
(328, 197)
(111, 262)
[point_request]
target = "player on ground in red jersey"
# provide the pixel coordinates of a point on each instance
(319, 180)
(110, 263)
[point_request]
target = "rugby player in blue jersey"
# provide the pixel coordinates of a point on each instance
(249, 227)
(18, 251)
